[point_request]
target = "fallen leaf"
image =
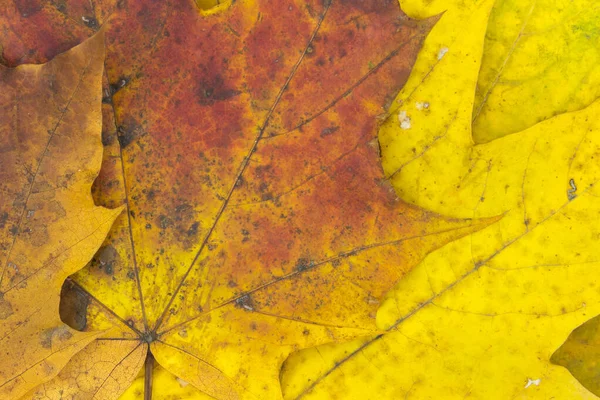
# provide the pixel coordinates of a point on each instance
(49, 225)
(540, 59)
(482, 316)
(258, 218)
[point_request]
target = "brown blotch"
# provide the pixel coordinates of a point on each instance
(193, 231)
(5, 308)
(214, 89)
(329, 131)
(56, 208)
(61, 333)
(37, 236)
(303, 264)
(43, 187)
(3, 219)
(73, 306)
(129, 132)
(27, 8)
(107, 258)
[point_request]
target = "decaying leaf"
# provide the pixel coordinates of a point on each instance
(50, 153)
(482, 316)
(258, 218)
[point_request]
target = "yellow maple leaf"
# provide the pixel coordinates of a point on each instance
(538, 55)
(50, 153)
(482, 316)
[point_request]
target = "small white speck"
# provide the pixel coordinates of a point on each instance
(404, 120)
(422, 105)
(535, 382)
(182, 382)
(84, 19)
(247, 307)
(442, 53)
(30, 213)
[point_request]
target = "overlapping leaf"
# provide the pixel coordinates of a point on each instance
(482, 316)
(540, 59)
(50, 153)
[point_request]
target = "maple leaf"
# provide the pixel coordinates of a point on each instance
(49, 225)
(482, 316)
(258, 218)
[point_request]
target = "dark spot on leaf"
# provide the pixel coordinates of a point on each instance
(27, 8)
(107, 258)
(240, 181)
(266, 196)
(73, 306)
(329, 131)
(90, 22)
(303, 264)
(193, 231)
(245, 303)
(60, 333)
(164, 222)
(213, 89)
(14, 230)
(3, 219)
(5, 308)
(128, 133)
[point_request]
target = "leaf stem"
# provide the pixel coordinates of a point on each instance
(148, 368)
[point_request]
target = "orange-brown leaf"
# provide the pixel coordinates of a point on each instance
(259, 220)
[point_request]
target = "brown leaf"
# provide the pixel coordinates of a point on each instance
(50, 153)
